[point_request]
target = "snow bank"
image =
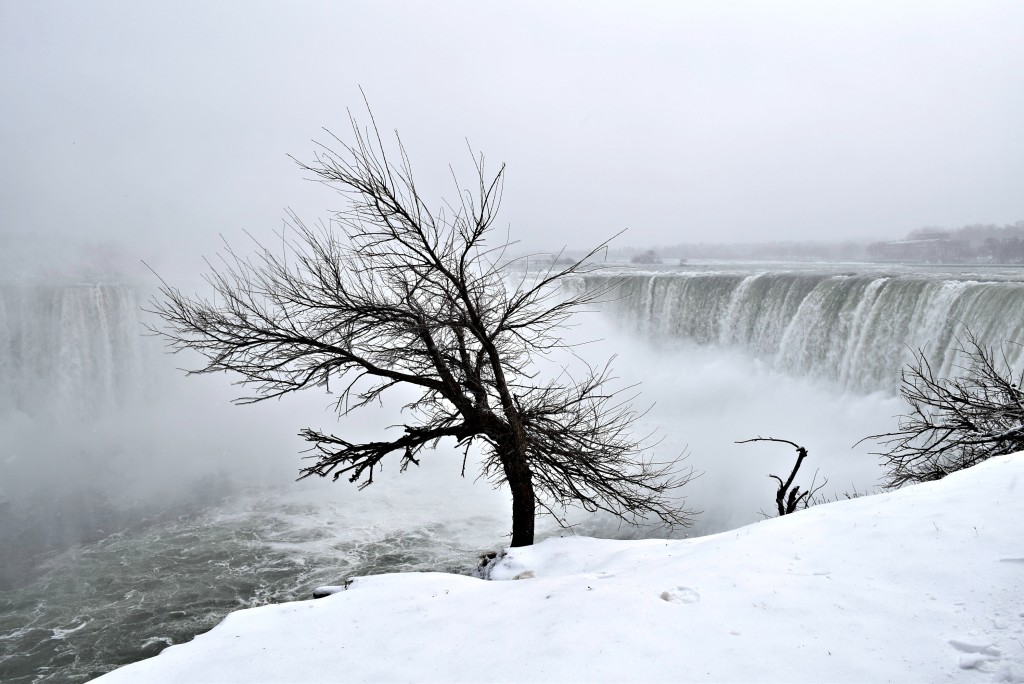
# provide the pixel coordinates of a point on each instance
(922, 584)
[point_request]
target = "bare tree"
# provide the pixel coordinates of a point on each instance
(789, 498)
(392, 292)
(954, 422)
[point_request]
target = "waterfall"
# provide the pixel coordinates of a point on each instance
(72, 352)
(857, 331)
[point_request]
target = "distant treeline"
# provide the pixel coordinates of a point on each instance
(770, 251)
(971, 244)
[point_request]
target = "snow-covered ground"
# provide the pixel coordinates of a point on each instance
(925, 584)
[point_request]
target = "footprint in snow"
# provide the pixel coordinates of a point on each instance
(680, 595)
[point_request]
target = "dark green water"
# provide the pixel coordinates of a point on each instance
(128, 596)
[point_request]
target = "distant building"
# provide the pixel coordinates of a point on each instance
(647, 257)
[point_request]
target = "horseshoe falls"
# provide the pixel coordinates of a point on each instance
(854, 330)
(139, 507)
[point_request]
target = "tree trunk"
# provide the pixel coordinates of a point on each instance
(520, 483)
(524, 511)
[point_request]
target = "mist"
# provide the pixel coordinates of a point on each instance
(139, 138)
(99, 421)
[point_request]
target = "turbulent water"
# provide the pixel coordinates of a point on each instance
(136, 512)
(131, 594)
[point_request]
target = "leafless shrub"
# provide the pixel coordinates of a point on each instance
(955, 422)
(788, 497)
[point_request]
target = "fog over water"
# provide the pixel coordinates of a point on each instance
(114, 425)
(139, 506)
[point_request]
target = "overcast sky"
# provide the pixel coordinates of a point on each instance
(161, 125)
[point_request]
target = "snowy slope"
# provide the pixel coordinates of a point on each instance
(922, 585)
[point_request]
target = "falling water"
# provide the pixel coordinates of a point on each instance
(857, 331)
(138, 507)
(72, 352)
(96, 571)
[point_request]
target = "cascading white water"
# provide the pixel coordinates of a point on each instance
(92, 420)
(95, 430)
(138, 507)
(855, 330)
(71, 352)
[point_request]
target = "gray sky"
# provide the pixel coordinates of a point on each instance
(160, 125)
